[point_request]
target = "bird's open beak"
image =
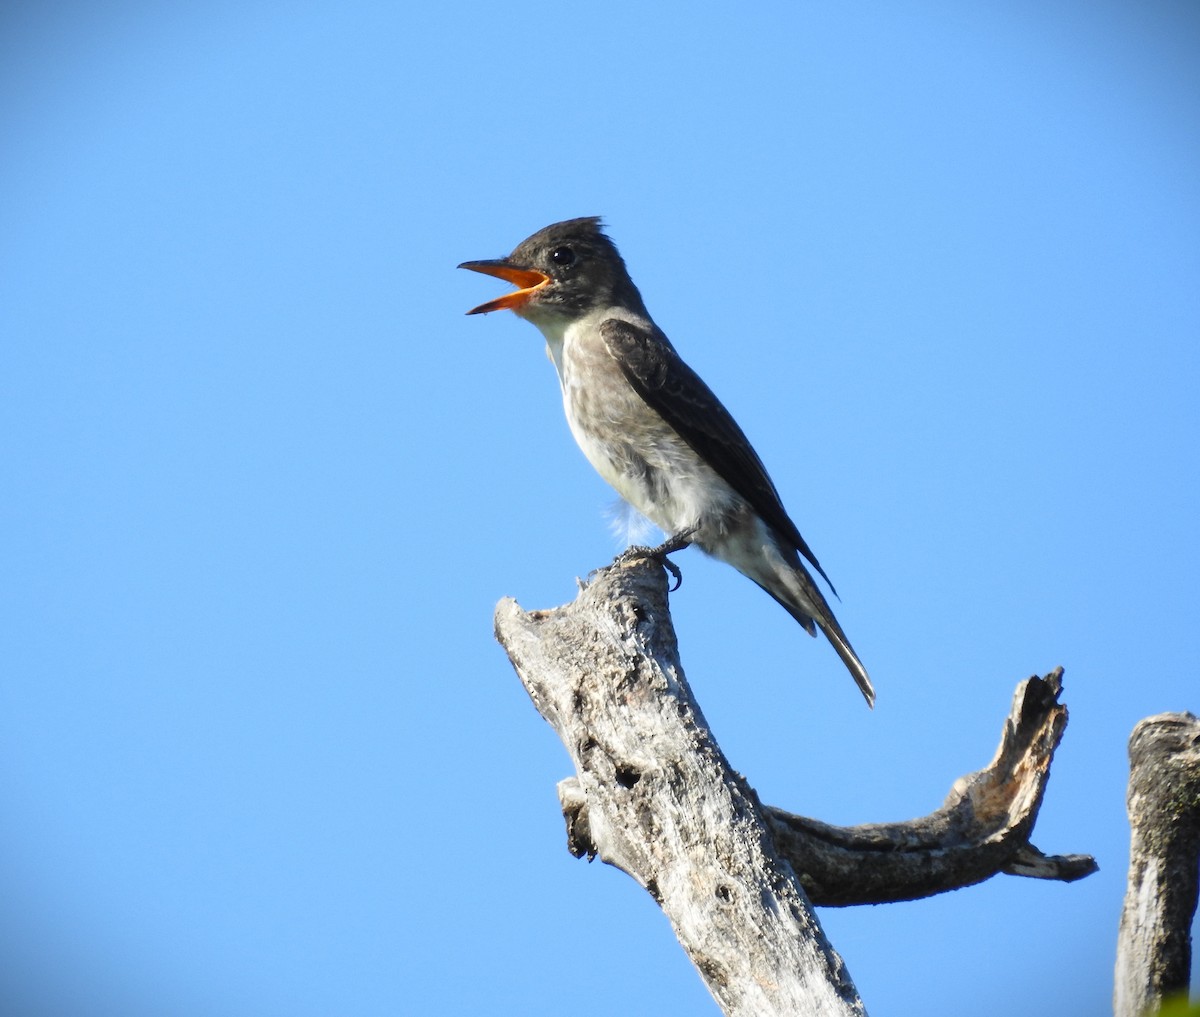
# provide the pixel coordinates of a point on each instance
(529, 280)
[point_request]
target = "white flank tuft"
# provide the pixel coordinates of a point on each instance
(628, 525)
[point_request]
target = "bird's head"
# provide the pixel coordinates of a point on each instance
(563, 271)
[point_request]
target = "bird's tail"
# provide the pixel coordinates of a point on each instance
(799, 595)
(833, 632)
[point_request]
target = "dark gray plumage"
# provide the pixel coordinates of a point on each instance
(651, 426)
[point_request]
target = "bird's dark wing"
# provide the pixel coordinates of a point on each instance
(679, 395)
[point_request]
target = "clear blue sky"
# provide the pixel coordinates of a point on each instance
(264, 481)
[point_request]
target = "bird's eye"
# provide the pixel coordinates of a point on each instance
(563, 257)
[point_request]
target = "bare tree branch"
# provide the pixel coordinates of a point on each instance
(982, 829)
(654, 796)
(1154, 951)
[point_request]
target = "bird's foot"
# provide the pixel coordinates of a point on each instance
(669, 546)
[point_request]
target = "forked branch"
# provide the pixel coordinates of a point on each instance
(654, 796)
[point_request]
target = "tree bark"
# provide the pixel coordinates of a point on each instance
(982, 829)
(654, 796)
(1154, 942)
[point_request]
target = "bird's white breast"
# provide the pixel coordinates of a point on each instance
(628, 443)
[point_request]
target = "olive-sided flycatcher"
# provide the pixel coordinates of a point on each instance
(651, 427)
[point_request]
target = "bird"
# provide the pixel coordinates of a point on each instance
(651, 427)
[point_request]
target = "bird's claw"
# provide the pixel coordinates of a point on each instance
(671, 567)
(660, 553)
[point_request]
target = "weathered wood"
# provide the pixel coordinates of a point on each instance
(1154, 941)
(982, 829)
(654, 796)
